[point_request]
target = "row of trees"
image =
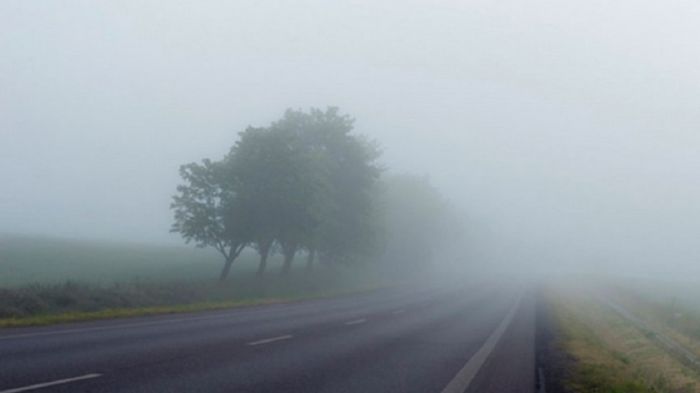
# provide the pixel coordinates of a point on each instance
(420, 227)
(304, 183)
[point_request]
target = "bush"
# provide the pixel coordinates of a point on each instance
(19, 303)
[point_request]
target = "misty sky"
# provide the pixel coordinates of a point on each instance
(568, 131)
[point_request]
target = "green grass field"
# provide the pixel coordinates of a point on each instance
(45, 280)
(27, 260)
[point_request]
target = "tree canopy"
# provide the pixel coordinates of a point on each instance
(417, 221)
(304, 182)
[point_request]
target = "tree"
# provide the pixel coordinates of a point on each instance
(417, 219)
(251, 165)
(207, 213)
(277, 184)
(349, 227)
(303, 183)
(328, 207)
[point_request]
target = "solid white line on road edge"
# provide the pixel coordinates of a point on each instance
(464, 377)
(268, 340)
(53, 383)
(398, 312)
(356, 321)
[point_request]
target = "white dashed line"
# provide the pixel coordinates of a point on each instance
(398, 312)
(356, 321)
(267, 340)
(52, 383)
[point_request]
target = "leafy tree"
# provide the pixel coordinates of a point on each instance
(277, 184)
(328, 207)
(349, 227)
(303, 183)
(253, 165)
(417, 219)
(206, 211)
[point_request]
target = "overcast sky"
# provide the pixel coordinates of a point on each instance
(567, 130)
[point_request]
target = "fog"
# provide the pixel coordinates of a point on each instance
(566, 131)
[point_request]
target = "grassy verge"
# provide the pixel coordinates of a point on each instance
(607, 353)
(45, 281)
(665, 312)
(78, 316)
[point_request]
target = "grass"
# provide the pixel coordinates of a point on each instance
(45, 281)
(29, 260)
(673, 310)
(79, 316)
(610, 354)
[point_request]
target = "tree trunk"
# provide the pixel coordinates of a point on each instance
(288, 258)
(288, 250)
(310, 259)
(262, 266)
(226, 269)
(230, 255)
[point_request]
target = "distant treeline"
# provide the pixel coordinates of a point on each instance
(306, 183)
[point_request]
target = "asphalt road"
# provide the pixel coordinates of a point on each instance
(402, 340)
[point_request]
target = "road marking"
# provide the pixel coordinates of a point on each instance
(398, 312)
(268, 340)
(464, 377)
(52, 383)
(356, 321)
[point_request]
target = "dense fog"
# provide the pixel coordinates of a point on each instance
(565, 133)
